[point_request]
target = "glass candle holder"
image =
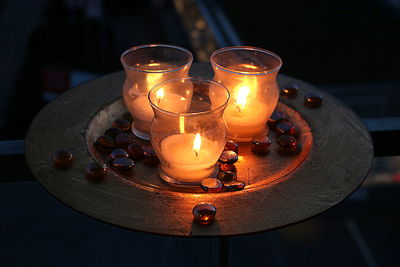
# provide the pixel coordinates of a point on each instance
(188, 132)
(250, 75)
(146, 66)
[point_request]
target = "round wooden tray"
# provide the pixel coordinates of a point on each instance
(281, 188)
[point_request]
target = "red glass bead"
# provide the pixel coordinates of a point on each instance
(113, 132)
(261, 144)
(62, 159)
(228, 157)
(313, 100)
(122, 164)
(234, 185)
(275, 118)
(151, 158)
(290, 91)
(135, 151)
(286, 141)
(123, 125)
(105, 142)
(211, 185)
(227, 167)
(124, 139)
(231, 145)
(204, 213)
(118, 153)
(226, 176)
(95, 171)
(286, 127)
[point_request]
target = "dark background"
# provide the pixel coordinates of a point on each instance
(349, 48)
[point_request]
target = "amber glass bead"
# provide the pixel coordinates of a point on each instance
(204, 213)
(275, 118)
(261, 144)
(151, 158)
(211, 185)
(228, 157)
(286, 127)
(113, 132)
(122, 164)
(95, 171)
(232, 145)
(226, 176)
(313, 100)
(227, 167)
(62, 159)
(234, 185)
(135, 151)
(124, 139)
(286, 141)
(290, 91)
(105, 142)
(124, 125)
(119, 153)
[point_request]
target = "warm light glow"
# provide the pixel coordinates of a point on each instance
(160, 94)
(197, 144)
(154, 64)
(250, 66)
(182, 124)
(153, 78)
(241, 97)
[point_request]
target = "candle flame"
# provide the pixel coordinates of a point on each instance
(182, 124)
(197, 144)
(241, 97)
(159, 95)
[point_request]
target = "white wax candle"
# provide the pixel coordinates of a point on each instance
(246, 122)
(185, 163)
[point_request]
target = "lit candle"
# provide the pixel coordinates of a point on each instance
(245, 116)
(190, 157)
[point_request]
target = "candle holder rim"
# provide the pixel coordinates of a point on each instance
(189, 114)
(190, 61)
(251, 73)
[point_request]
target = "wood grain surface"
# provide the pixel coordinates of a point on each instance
(282, 189)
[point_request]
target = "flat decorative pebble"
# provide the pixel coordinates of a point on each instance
(261, 144)
(275, 118)
(226, 176)
(122, 164)
(290, 91)
(119, 153)
(286, 127)
(151, 158)
(113, 132)
(312, 100)
(286, 141)
(95, 171)
(232, 145)
(234, 185)
(204, 213)
(105, 142)
(211, 185)
(135, 151)
(124, 139)
(228, 157)
(62, 159)
(124, 125)
(227, 167)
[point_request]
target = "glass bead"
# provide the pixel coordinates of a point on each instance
(286, 141)
(123, 125)
(226, 176)
(151, 158)
(95, 171)
(290, 91)
(204, 213)
(275, 118)
(124, 139)
(62, 159)
(211, 185)
(105, 142)
(313, 100)
(286, 127)
(227, 167)
(135, 151)
(119, 153)
(234, 185)
(113, 132)
(261, 144)
(228, 157)
(232, 145)
(122, 164)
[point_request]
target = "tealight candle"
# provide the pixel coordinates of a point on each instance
(250, 75)
(188, 137)
(146, 66)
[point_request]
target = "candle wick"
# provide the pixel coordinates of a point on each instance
(197, 154)
(238, 108)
